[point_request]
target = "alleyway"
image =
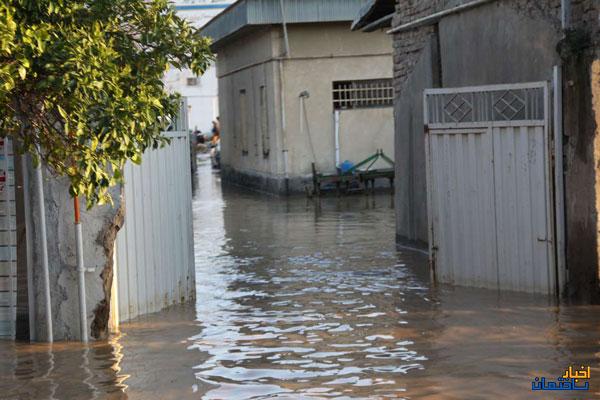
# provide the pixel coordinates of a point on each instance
(304, 300)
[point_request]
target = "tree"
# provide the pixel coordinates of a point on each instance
(81, 83)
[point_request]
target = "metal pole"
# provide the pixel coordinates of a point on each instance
(28, 249)
(44, 244)
(80, 273)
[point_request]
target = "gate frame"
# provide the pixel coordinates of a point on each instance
(554, 215)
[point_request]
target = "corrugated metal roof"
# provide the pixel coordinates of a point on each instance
(373, 12)
(244, 13)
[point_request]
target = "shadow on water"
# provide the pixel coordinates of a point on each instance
(299, 300)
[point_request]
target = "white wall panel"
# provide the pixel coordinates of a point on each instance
(154, 247)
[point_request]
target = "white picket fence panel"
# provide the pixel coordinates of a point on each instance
(154, 251)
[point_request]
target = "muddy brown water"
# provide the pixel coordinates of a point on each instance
(311, 300)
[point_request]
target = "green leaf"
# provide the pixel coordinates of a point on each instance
(97, 66)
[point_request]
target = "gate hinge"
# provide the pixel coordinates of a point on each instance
(426, 128)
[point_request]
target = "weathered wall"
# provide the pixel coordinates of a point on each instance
(580, 51)
(357, 56)
(508, 41)
(362, 132)
(311, 67)
(415, 68)
(260, 158)
(410, 200)
(501, 42)
(62, 256)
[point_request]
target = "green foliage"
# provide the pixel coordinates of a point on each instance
(81, 82)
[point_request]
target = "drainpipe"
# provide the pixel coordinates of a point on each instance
(44, 244)
(284, 150)
(285, 32)
(336, 129)
(303, 118)
(565, 13)
(561, 262)
(28, 249)
(80, 272)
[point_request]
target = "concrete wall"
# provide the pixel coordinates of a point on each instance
(320, 54)
(256, 149)
(159, 278)
(99, 226)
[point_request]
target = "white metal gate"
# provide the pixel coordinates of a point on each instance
(489, 187)
(8, 244)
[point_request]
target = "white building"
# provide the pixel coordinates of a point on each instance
(201, 92)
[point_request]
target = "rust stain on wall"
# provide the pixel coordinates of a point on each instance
(595, 86)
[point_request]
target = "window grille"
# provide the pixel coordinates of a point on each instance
(362, 94)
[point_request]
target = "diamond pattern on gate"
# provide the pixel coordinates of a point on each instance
(458, 107)
(509, 105)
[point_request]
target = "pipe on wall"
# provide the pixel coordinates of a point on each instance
(28, 249)
(282, 99)
(559, 193)
(284, 150)
(285, 31)
(80, 273)
(44, 249)
(565, 13)
(304, 119)
(433, 18)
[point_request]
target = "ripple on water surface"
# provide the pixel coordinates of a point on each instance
(299, 299)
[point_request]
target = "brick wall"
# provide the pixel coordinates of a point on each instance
(407, 45)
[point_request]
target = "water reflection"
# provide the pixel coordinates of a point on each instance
(305, 300)
(299, 299)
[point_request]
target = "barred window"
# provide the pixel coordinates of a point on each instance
(362, 94)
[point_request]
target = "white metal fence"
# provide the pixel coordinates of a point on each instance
(154, 254)
(8, 242)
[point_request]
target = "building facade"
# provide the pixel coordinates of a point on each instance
(280, 89)
(453, 51)
(200, 91)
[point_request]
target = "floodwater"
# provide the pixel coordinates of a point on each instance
(299, 299)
